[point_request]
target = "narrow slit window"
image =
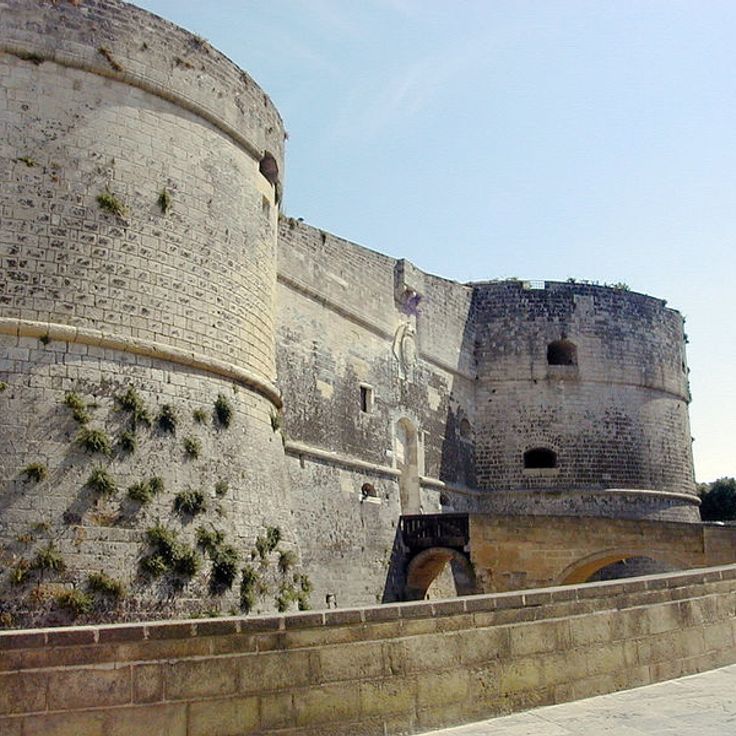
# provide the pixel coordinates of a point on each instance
(366, 399)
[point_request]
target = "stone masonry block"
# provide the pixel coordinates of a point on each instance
(224, 717)
(327, 704)
(478, 646)
(383, 697)
(23, 692)
(70, 689)
(168, 719)
(89, 723)
(276, 671)
(361, 661)
(190, 679)
(442, 688)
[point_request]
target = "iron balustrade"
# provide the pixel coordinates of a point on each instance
(420, 531)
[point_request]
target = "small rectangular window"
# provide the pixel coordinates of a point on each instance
(366, 399)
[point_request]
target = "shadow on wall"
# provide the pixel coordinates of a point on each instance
(457, 453)
(393, 590)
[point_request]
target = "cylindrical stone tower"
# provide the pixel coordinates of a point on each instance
(139, 179)
(582, 402)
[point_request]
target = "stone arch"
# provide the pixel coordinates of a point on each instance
(407, 462)
(425, 567)
(582, 570)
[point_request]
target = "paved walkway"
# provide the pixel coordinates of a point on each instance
(698, 705)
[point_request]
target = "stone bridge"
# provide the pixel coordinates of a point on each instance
(490, 554)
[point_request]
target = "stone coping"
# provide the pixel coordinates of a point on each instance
(138, 346)
(392, 612)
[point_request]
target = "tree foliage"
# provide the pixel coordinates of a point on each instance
(718, 500)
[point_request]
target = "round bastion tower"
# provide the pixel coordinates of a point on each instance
(582, 402)
(139, 174)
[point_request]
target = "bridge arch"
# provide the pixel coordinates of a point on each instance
(584, 569)
(425, 567)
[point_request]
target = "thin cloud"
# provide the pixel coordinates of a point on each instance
(368, 113)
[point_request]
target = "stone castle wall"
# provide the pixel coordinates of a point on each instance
(616, 419)
(175, 302)
(339, 312)
(361, 388)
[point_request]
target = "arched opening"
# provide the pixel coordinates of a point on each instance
(269, 168)
(620, 564)
(562, 352)
(540, 457)
(368, 490)
(407, 462)
(631, 567)
(439, 572)
(466, 431)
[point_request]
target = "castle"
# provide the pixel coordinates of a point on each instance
(289, 392)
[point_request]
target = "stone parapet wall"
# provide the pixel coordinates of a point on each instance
(387, 670)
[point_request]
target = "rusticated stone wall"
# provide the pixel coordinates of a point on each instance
(396, 669)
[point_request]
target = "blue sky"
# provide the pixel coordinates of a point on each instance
(537, 139)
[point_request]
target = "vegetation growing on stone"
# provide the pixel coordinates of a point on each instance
(200, 416)
(154, 565)
(3, 386)
(36, 472)
(167, 419)
(132, 403)
(286, 595)
(223, 411)
(221, 488)
(209, 539)
(27, 160)
(164, 540)
(267, 543)
(48, 559)
(128, 441)
(94, 441)
(19, 571)
(144, 491)
(192, 447)
(169, 555)
(78, 406)
(186, 561)
(248, 581)
(287, 560)
(189, 502)
(75, 601)
(164, 200)
(108, 202)
(100, 582)
(224, 567)
(276, 421)
(100, 481)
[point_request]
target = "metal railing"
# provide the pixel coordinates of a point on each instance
(435, 530)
